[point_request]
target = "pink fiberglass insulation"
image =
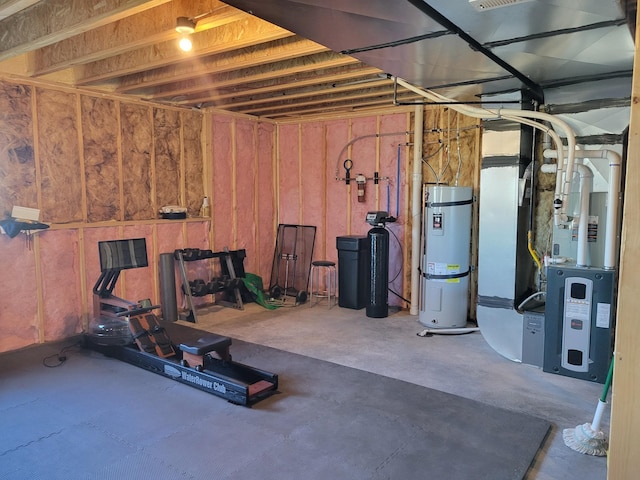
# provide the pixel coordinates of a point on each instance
(197, 237)
(288, 176)
(266, 232)
(140, 282)
(222, 176)
(363, 155)
(336, 210)
(246, 190)
(313, 187)
(18, 299)
(61, 284)
(170, 238)
(389, 167)
(92, 258)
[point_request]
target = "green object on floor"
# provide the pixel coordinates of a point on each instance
(256, 288)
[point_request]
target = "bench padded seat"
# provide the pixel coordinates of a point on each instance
(194, 341)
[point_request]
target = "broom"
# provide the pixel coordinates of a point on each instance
(588, 438)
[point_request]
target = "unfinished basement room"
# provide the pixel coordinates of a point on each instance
(319, 239)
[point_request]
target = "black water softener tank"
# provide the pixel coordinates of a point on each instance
(378, 240)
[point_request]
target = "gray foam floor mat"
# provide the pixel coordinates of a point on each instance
(98, 418)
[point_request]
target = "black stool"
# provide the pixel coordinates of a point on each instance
(328, 269)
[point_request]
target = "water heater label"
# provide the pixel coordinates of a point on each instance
(440, 268)
(603, 315)
(443, 269)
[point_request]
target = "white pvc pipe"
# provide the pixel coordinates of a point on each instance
(585, 191)
(613, 194)
(516, 116)
(416, 210)
(586, 177)
(613, 197)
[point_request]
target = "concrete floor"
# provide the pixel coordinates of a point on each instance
(463, 365)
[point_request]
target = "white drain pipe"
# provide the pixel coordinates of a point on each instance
(586, 179)
(416, 210)
(528, 117)
(586, 176)
(613, 194)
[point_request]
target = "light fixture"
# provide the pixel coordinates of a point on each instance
(185, 44)
(185, 27)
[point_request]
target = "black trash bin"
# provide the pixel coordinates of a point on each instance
(353, 271)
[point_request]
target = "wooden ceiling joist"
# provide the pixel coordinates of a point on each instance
(137, 31)
(48, 22)
(243, 33)
(376, 94)
(239, 63)
(323, 89)
(287, 87)
(162, 80)
(10, 7)
(337, 107)
(260, 75)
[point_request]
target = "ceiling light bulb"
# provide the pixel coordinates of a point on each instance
(185, 25)
(185, 44)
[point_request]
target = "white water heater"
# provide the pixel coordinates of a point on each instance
(446, 256)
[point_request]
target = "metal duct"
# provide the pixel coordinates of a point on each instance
(505, 270)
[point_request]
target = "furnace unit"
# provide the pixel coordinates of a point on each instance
(579, 322)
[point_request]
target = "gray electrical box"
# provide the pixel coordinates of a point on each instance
(533, 337)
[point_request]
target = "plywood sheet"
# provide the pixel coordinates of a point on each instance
(59, 154)
(17, 163)
(137, 145)
(100, 150)
(193, 161)
(61, 284)
(166, 134)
